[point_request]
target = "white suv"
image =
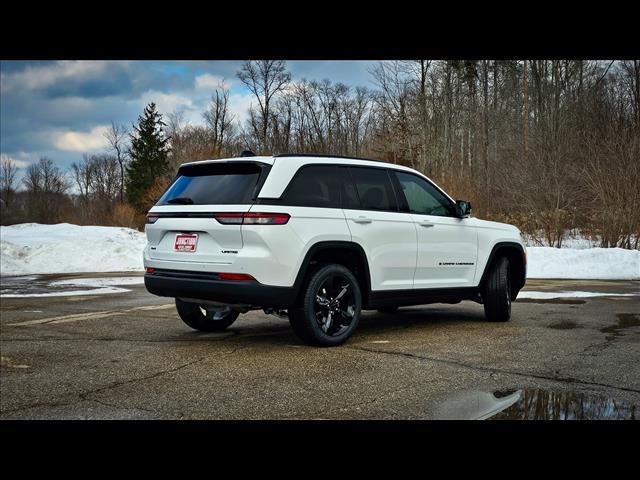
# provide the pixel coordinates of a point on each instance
(318, 239)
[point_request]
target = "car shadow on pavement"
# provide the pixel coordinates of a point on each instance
(372, 323)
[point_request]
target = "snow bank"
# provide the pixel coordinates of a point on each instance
(32, 248)
(589, 263)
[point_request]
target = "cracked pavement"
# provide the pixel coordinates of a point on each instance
(128, 356)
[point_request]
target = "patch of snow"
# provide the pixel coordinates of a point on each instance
(69, 293)
(549, 295)
(32, 248)
(100, 282)
(590, 263)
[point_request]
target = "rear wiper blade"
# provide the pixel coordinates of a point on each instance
(181, 200)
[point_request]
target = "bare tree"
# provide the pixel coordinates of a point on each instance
(83, 175)
(117, 136)
(98, 181)
(218, 118)
(264, 78)
(8, 172)
(46, 186)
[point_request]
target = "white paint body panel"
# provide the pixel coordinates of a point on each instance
(389, 242)
(447, 252)
(401, 253)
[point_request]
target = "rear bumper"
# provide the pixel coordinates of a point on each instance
(197, 285)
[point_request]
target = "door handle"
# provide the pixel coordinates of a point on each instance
(362, 219)
(427, 224)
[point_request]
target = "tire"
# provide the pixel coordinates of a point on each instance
(208, 321)
(388, 310)
(324, 315)
(497, 294)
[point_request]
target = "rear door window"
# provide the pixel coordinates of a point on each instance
(374, 189)
(214, 184)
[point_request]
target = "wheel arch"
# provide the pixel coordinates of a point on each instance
(349, 254)
(515, 252)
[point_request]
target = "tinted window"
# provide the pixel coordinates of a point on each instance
(213, 185)
(314, 186)
(349, 195)
(422, 197)
(374, 189)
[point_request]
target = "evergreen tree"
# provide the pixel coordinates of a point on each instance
(148, 152)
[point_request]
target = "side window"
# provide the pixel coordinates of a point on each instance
(422, 197)
(349, 195)
(374, 189)
(314, 186)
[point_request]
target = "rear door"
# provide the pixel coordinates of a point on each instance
(447, 245)
(189, 212)
(387, 235)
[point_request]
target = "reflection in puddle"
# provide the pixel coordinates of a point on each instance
(538, 404)
(476, 405)
(535, 404)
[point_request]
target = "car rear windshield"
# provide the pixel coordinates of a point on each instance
(213, 184)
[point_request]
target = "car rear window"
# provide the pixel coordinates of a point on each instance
(213, 184)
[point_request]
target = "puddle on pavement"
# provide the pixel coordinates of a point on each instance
(26, 285)
(534, 404)
(55, 285)
(625, 320)
(564, 325)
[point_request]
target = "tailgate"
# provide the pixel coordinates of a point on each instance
(186, 211)
(216, 243)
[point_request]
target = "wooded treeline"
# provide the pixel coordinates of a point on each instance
(549, 145)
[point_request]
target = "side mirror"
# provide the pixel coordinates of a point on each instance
(463, 208)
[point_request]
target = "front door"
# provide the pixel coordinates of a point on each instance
(447, 245)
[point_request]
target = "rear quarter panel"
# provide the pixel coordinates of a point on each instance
(281, 249)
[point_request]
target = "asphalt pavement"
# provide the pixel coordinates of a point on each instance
(127, 355)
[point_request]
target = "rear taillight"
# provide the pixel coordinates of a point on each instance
(152, 217)
(235, 276)
(149, 270)
(252, 218)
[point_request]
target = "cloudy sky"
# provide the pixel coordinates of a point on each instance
(60, 109)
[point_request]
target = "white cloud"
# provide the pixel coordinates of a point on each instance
(239, 106)
(18, 163)
(166, 102)
(71, 141)
(208, 81)
(41, 76)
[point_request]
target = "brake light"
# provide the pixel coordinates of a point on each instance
(234, 276)
(152, 217)
(149, 270)
(252, 218)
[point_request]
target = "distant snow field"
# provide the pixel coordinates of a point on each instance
(31, 249)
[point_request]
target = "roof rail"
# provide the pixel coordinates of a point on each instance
(284, 155)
